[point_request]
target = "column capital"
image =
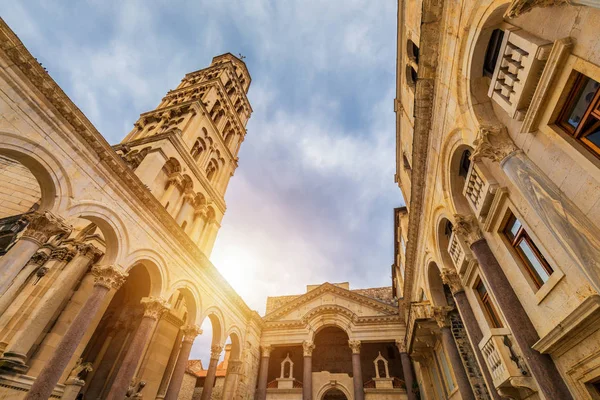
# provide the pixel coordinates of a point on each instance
(215, 351)
(401, 346)
(88, 250)
(62, 253)
(467, 228)
(42, 225)
(266, 350)
(493, 142)
(190, 332)
(519, 7)
(39, 258)
(109, 276)
(308, 347)
(441, 316)
(355, 346)
(451, 278)
(154, 307)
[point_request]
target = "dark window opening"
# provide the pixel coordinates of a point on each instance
(413, 51)
(448, 229)
(492, 52)
(465, 163)
(488, 306)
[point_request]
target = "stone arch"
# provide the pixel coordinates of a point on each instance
(192, 299)
(188, 183)
(109, 222)
(217, 322)
(435, 285)
(327, 316)
(454, 148)
(54, 182)
(472, 86)
(331, 386)
(154, 265)
(441, 217)
(236, 337)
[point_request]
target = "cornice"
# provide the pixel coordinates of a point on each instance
(424, 105)
(332, 309)
(85, 131)
(329, 288)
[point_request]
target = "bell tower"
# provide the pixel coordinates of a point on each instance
(185, 150)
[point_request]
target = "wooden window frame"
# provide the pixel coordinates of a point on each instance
(514, 242)
(592, 112)
(488, 306)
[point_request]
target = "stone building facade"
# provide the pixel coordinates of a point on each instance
(498, 159)
(104, 270)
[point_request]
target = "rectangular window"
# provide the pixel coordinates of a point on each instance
(488, 306)
(580, 116)
(535, 263)
(445, 369)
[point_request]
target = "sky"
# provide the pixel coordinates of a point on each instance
(312, 200)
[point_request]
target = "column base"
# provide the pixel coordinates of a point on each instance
(14, 362)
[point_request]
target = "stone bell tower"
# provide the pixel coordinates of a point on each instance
(185, 150)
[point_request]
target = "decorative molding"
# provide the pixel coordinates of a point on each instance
(441, 316)
(265, 351)
(110, 276)
(154, 307)
(493, 142)
(451, 278)
(520, 7)
(559, 53)
(88, 250)
(308, 348)
(190, 332)
(215, 351)
(42, 225)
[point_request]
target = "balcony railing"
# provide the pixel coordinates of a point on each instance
(479, 189)
(501, 359)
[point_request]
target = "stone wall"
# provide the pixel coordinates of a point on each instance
(19, 189)
(187, 387)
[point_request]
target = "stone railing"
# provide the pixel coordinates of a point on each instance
(479, 189)
(418, 311)
(520, 63)
(502, 361)
(458, 252)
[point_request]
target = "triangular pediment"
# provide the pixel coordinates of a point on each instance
(334, 298)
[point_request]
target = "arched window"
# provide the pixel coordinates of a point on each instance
(465, 163)
(198, 149)
(229, 138)
(413, 51)
(411, 76)
(211, 169)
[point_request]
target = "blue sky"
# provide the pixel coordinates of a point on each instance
(313, 197)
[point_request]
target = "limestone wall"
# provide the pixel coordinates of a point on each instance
(19, 189)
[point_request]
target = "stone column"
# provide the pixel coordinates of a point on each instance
(164, 382)
(359, 390)
(307, 375)
(209, 382)
(542, 366)
(40, 228)
(105, 278)
(451, 278)
(209, 236)
(572, 229)
(174, 182)
(153, 309)
(261, 391)
(186, 207)
(198, 224)
(189, 334)
(16, 354)
(407, 371)
(36, 261)
(462, 380)
(234, 370)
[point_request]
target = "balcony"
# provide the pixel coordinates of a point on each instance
(503, 362)
(479, 190)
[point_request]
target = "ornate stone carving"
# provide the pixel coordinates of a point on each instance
(43, 225)
(190, 332)
(308, 348)
(519, 7)
(493, 143)
(467, 228)
(89, 250)
(78, 372)
(62, 254)
(401, 346)
(441, 316)
(235, 367)
(451, 278)
(154, 307)
(266, 350)
(109, 276)
(215, 351)
(354, 346)
(39, 258)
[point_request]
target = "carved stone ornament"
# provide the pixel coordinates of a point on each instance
(39, 258)
(109, 276)
(190, 332)
(493, 143)
(451, 278)
(401, 346)
(89, 250)
(266, 350)
(154, 307)
(467, 228)
(62, 254)
(308, 348)
(215, 351)
(519, 7)
(354, 346)
(235, 367)
(43, 225)
(78, 371)
(441, 316)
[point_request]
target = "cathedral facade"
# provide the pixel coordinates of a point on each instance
(498, 158)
